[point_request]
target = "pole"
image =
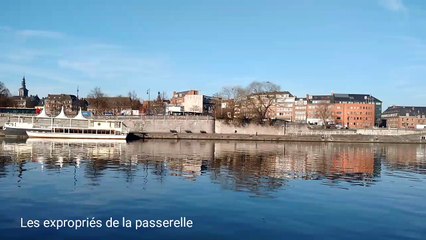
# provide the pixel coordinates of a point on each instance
(149, 100)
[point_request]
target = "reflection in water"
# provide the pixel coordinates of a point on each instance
(257, 167)
(409, 158)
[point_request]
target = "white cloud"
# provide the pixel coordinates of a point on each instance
(39, 34)
(393, 5)
(112, 64)
(66, 61)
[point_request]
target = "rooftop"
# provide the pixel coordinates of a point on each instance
(404, 110)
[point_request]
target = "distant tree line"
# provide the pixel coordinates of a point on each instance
(100, 103)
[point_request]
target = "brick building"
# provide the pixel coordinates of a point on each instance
(356, 110)
(405, 117)
(347, 110)
(54, 103)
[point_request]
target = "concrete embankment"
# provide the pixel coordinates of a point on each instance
(203, 127)
(417, 138)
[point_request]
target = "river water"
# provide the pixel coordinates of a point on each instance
(229, 190)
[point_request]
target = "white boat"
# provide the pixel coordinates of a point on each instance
(79, 133)
(35, 140)
(62, 127)
(41, 122)
(20, 128)
(95, 130)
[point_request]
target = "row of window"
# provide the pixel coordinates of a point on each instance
(355, 118)
(356, 113)
(363, 107)
(84, 131)
(414, 119)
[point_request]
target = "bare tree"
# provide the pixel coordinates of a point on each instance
(252, 102)
(5, 100)
(97, 100)
(262, 87)
(258, 106)
(262, 96)
(4, 92)
(226, 99)
(232, 92)
(134, 100)
(324, 113)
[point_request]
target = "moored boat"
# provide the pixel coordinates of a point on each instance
(78, 133)
(20, 128)
(41, 122)
(62, 127)
(105, 129)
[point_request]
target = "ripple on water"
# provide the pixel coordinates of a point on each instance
(231, 189)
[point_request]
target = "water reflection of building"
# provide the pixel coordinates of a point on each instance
(182, 158)
(407, 157)
(256, 167)
(288, 161)
(353, 160)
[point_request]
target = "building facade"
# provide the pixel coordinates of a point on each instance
(283, 106)
(405, 117)
(299, 110)
(356, 110)
(318, 109)
(178, 98)
(54, 103)
(346, 110)
(191, 102)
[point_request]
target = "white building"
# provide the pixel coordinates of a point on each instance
(193, 104)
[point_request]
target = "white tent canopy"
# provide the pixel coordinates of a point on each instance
(80, 116)
(62, 114)
(42, 114)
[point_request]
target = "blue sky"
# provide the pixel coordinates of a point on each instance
(305, 46)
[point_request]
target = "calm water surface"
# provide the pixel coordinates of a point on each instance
(230, 190)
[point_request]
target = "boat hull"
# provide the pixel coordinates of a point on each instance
(12, 131)
(39, 134)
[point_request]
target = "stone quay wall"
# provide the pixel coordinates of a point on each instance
(206, 124)
(179, 124)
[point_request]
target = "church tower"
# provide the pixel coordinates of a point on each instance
(23, 91)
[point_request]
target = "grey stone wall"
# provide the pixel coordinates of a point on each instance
(196, 124)
(180, 124)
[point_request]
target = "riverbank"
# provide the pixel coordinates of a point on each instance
(414, 138)
(198, 128)
(405, 139)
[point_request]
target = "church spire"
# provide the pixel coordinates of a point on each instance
(23, 91)
(23, 83)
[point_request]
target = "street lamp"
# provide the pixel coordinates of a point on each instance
(149, 100)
